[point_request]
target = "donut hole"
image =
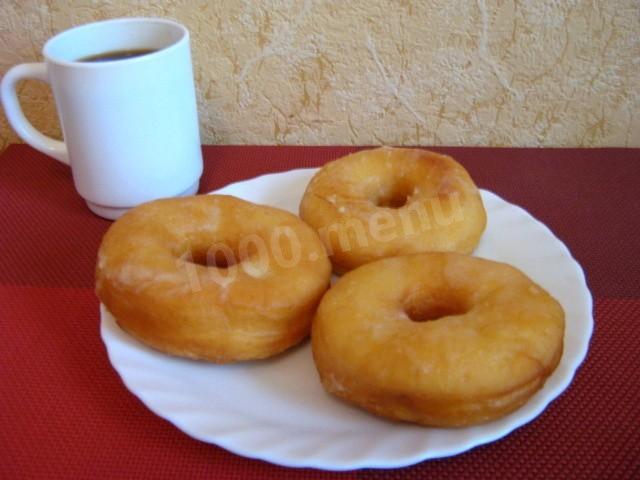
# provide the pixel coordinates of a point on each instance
(423, 307)
(396, 201)
(395, 197)
(213, 256)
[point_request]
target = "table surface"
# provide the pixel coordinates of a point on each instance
(65, 413)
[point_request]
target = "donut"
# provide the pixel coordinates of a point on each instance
(393, 201)
(438, 339)
(212, 277)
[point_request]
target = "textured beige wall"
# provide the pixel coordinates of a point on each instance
(434, 72)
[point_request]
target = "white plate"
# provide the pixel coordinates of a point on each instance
(277, 411)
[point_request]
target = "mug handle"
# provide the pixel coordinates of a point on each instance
(15, 115)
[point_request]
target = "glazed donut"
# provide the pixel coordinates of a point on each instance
(439, 339)
(212, 277)
(393, 201)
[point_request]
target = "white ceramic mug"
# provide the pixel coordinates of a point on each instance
(130, 125)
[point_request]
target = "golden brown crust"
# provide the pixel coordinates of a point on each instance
(154, 276)
(393, 201)
(496, 338)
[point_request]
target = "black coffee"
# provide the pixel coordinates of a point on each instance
(117, 55)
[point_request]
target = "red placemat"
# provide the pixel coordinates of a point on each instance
(65, 413)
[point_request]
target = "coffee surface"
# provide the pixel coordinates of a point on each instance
(117, 55)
